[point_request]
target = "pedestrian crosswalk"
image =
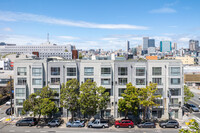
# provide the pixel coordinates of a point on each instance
(197, 119)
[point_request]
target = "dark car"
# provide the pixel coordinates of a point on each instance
(147, 125)
(27, 122)
(192, 107)
(55, 123)
(8, 111)
(124, 123)
(169, 123)
(75, 124)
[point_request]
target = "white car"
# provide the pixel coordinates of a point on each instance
(9, 102)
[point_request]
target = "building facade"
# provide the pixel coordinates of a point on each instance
(194, 45)
(43, 51)
(165, 46)
(32, 75)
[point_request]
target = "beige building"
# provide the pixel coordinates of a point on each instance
(186, 60)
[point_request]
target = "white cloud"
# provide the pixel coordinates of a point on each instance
(18, 16)
(7, 29)
(163, 10)
(184, 39)
(68, 37)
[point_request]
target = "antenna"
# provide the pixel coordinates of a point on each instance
(47, 37)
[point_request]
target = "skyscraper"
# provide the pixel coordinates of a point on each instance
(165, 46)
(151, 43)
(194, 45)
(175, 46)
(127, 46)
(145, 43)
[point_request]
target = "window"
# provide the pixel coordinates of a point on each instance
(140, 71)
(89, 71)
(174, 100)
(109, 91)
(20, 92)
(37, 71)
(71, 71)
(122, 71)
(156, 70)
(37, 81)
(175, 71)
(105, 82)
(175, 81)
(21, 71)
(91, 79)
(159, 102)
(55, 70)
(19, 102)
(175, 91)
(37, 90)
(55, 81)
(122, 81)
(157, 80)
(21, 81)
(159, 91)
(121, 91)
(140, 81)
(105, 71)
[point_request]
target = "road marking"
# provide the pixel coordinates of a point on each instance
(197, 119)
(2, 119)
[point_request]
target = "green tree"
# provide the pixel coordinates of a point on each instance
(187, 94)
(148, 97)
(130, 100)
(40, 103)
(70, 95)
(80, 55)
(193, 127)
(92, 98)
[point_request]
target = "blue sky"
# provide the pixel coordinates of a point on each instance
(105, 24)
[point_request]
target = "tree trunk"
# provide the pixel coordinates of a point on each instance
(126, 112)
(39, 117)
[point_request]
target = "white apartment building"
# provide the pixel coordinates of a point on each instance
(31, 75)
(44, 50)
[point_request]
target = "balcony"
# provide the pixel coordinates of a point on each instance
(174, 105)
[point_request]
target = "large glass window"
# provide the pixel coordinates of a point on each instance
(159, 102)
(105, 71)
(140, 81)
(159, 91)
(140, 71)
(157, 80)
(19, 102)
(175, 71)
(21, 81)
(122, 71)
(55, 70)
(21, 71)
(37, 71)
(55, 81)
(175, 91)
(175, 81)
(91, 79)
(71, 71)
(174, 101)
(37, 90)
(105, 82)
(89, 71)
(121, 91)
(37, 81)
(20, 92)
(122, 81)
(156, 70)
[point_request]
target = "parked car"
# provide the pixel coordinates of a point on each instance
(8, 111)
(124, 123)
(192, 107)
(54, 123)
(29, 121)
(147, 125)
(98, 123)
(169, 123)
(8, 103)
(75, 124)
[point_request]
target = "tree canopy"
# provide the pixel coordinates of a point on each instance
(187, 94)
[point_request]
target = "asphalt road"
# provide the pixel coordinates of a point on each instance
(14, 129)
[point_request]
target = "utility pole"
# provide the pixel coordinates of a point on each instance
(11, 110)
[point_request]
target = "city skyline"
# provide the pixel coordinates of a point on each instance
(99, 24)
